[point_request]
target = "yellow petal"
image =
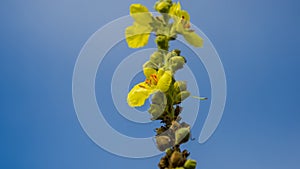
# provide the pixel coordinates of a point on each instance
(148, 72)
(138, 95)
(137, 36)
(175, 10)
(193, 39)
(140, 14)
(165, 81)
(184, 15)
(160, 73)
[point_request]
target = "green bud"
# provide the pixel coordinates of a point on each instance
(190, 164)
(162, 42)
(162, 6)
(177, 62)
(182, 96)
(156, 111)
(182, 135)
(180, 86)
(163, 142)
(179, 168)
(159, 98)
(169, 152)
(176, 52)
(157, 58)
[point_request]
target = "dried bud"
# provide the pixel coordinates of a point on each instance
(182, 135)
(160, 130)
(176, 159)
(190, 164)
(175, 125)
(169, 152)
(163, 163)
(163, 142)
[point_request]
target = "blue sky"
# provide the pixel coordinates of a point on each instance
(258, 43)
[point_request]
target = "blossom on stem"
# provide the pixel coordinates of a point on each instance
(182, 25)
(155, 81)
(137, 35)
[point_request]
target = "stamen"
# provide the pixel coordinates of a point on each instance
(154, 77)
(141, 86)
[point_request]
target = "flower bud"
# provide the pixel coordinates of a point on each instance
(163, 142)
(182, 135)
(177, 62)
(182, 96)
(159, 98)
(162, 6)
(156, 111)
(176, 159)
(180, 86)
(162, 41)
(169, 152)
(190, 164)
(163, 163)
(176, 52)
(157, 58)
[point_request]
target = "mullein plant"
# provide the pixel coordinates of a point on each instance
(160, 86)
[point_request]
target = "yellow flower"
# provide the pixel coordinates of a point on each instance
(138, 34)
(182, 25)
(155, 81)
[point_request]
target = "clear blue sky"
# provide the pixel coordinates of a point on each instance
(258, 42)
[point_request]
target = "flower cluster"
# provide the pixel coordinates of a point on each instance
(145, 23)
(159, 85)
